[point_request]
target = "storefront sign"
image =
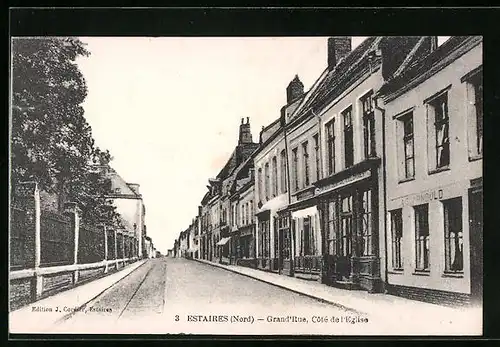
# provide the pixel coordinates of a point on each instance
(439, 193)
(344, 182)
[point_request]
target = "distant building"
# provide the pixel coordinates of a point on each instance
(129, 205)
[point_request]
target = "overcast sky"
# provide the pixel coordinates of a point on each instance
(169, 109)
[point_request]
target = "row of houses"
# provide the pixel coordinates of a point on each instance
(371, 180)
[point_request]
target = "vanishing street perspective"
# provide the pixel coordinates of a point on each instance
(356, 208)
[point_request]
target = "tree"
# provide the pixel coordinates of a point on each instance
(50, 137)
(51, 141)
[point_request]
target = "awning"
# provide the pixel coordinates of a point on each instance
(274, 204)
(310, 211)
(223, 241)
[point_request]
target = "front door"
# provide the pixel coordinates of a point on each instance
(476, 243)
(284, 246)
(343, 266)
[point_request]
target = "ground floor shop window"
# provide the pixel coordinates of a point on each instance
(396, 237)
(454, 261)
(422, 237)
(264, 239)
(366, 241)
(345, 226)
(245, 247)
(332, 223)
(307, 237)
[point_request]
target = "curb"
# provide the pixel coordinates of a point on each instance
(317, 298)
(71, 314)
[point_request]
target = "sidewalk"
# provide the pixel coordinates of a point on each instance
(406, 316)
(39, 316)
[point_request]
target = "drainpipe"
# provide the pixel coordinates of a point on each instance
(384, 178)
(318, 117)
(319, 143)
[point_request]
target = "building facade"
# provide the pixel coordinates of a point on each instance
(434, 147)
(242, 212)
(274, 247)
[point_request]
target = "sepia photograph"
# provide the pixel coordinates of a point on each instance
(231, 185)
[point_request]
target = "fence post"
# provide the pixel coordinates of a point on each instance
(27, 196)
(72, 210)
(123, 246)
(105, 231)
(116, 247)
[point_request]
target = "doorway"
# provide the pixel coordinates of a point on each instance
(476, 243)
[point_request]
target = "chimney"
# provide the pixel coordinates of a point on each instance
(338, 48)
(245, 133)
(294, 90)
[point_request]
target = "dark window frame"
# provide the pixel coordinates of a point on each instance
(348, 137)
(422, 238)
(305, 162)
(396, 238)
(368, 112)
(441, 123)
(453, 221)
(330, 141)
(317, 157)
(408, 137)
(274, 164)
(295, 163)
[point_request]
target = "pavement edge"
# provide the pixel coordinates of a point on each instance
(69, 315)
(318, 298)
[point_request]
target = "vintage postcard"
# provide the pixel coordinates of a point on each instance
(246, 185)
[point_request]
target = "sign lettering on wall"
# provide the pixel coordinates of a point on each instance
(439, 193)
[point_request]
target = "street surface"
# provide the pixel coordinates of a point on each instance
(169, 295)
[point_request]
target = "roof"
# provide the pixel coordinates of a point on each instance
(332, 79)
(426, 63)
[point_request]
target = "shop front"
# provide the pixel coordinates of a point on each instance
(285, 243)
(264, 246)
(348, 206)
(245, 246)
(223, 250)
(307, 231)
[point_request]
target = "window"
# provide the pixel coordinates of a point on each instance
(264, 239)
(453, 235)
(368, 125)
(330, 143)
(305, 156)
(475, 97)
(275, 176)
(248, 212)
(366, 224)
(422, 237)
(306, 237)
(439, 107)
(283, 172)
(332, 229)
(295, 169)
(397, 236)
(348, 138)
(345, 226)
(259, 184)
(251, 212)
(316, 157)
(267, 181)
(408, 145)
